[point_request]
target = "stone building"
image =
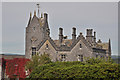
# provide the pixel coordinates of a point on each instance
(38, 40)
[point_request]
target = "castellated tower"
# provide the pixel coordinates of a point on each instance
(36, 30)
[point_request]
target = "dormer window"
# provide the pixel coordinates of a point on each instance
(33, 51)
(80, 46)
(47, 46)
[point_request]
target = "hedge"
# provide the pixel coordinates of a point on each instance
(103, 70)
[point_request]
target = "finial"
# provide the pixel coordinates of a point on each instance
(99, 41)
(34, 13)
(38, 9)
(80, 33)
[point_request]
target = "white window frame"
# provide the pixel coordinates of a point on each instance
(80, 58)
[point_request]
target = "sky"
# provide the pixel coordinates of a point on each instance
(102, 17)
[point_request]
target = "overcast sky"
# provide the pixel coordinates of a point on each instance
(102, 17)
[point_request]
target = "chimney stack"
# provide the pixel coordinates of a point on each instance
(94, 36)
(74, 34)
(109, 48)
(60, 35)
(89, 35)
(89, 32)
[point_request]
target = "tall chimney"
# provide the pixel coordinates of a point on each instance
(94, 36)
(89, 35)
(60, 35)
(109, 48)
(74, 34)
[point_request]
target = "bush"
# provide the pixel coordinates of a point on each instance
(105, 70)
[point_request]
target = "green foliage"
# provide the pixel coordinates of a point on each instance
(38, 61)
(92, 69)
(98, 60)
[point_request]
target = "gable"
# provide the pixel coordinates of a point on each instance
(48, 48)
(83, 50)
(47, 40)
(47, 43)
(81, 38)
(80, 45)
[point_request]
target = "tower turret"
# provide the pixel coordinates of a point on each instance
(46, 26)
(30, 18)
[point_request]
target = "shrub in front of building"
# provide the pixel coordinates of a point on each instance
(100, 69)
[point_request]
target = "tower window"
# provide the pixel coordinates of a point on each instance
(63, 57)
(80, 58)
(47, 46)
(33, 51)
(80, 46)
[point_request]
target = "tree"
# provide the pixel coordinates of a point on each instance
(37, 60)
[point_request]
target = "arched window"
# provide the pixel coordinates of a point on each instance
(33, 51)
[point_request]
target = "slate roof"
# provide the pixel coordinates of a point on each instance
(67, 44)
(104, 45)
(68, 47)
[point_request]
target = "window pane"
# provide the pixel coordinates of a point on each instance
(33, 51)
(46, 45)
(80, 46)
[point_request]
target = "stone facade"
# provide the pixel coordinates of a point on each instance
(78, 48)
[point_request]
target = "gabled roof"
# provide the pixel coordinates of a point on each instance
(50, 40)
(80, 37)
(70, 46)
(99, 50)
(64, 47)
